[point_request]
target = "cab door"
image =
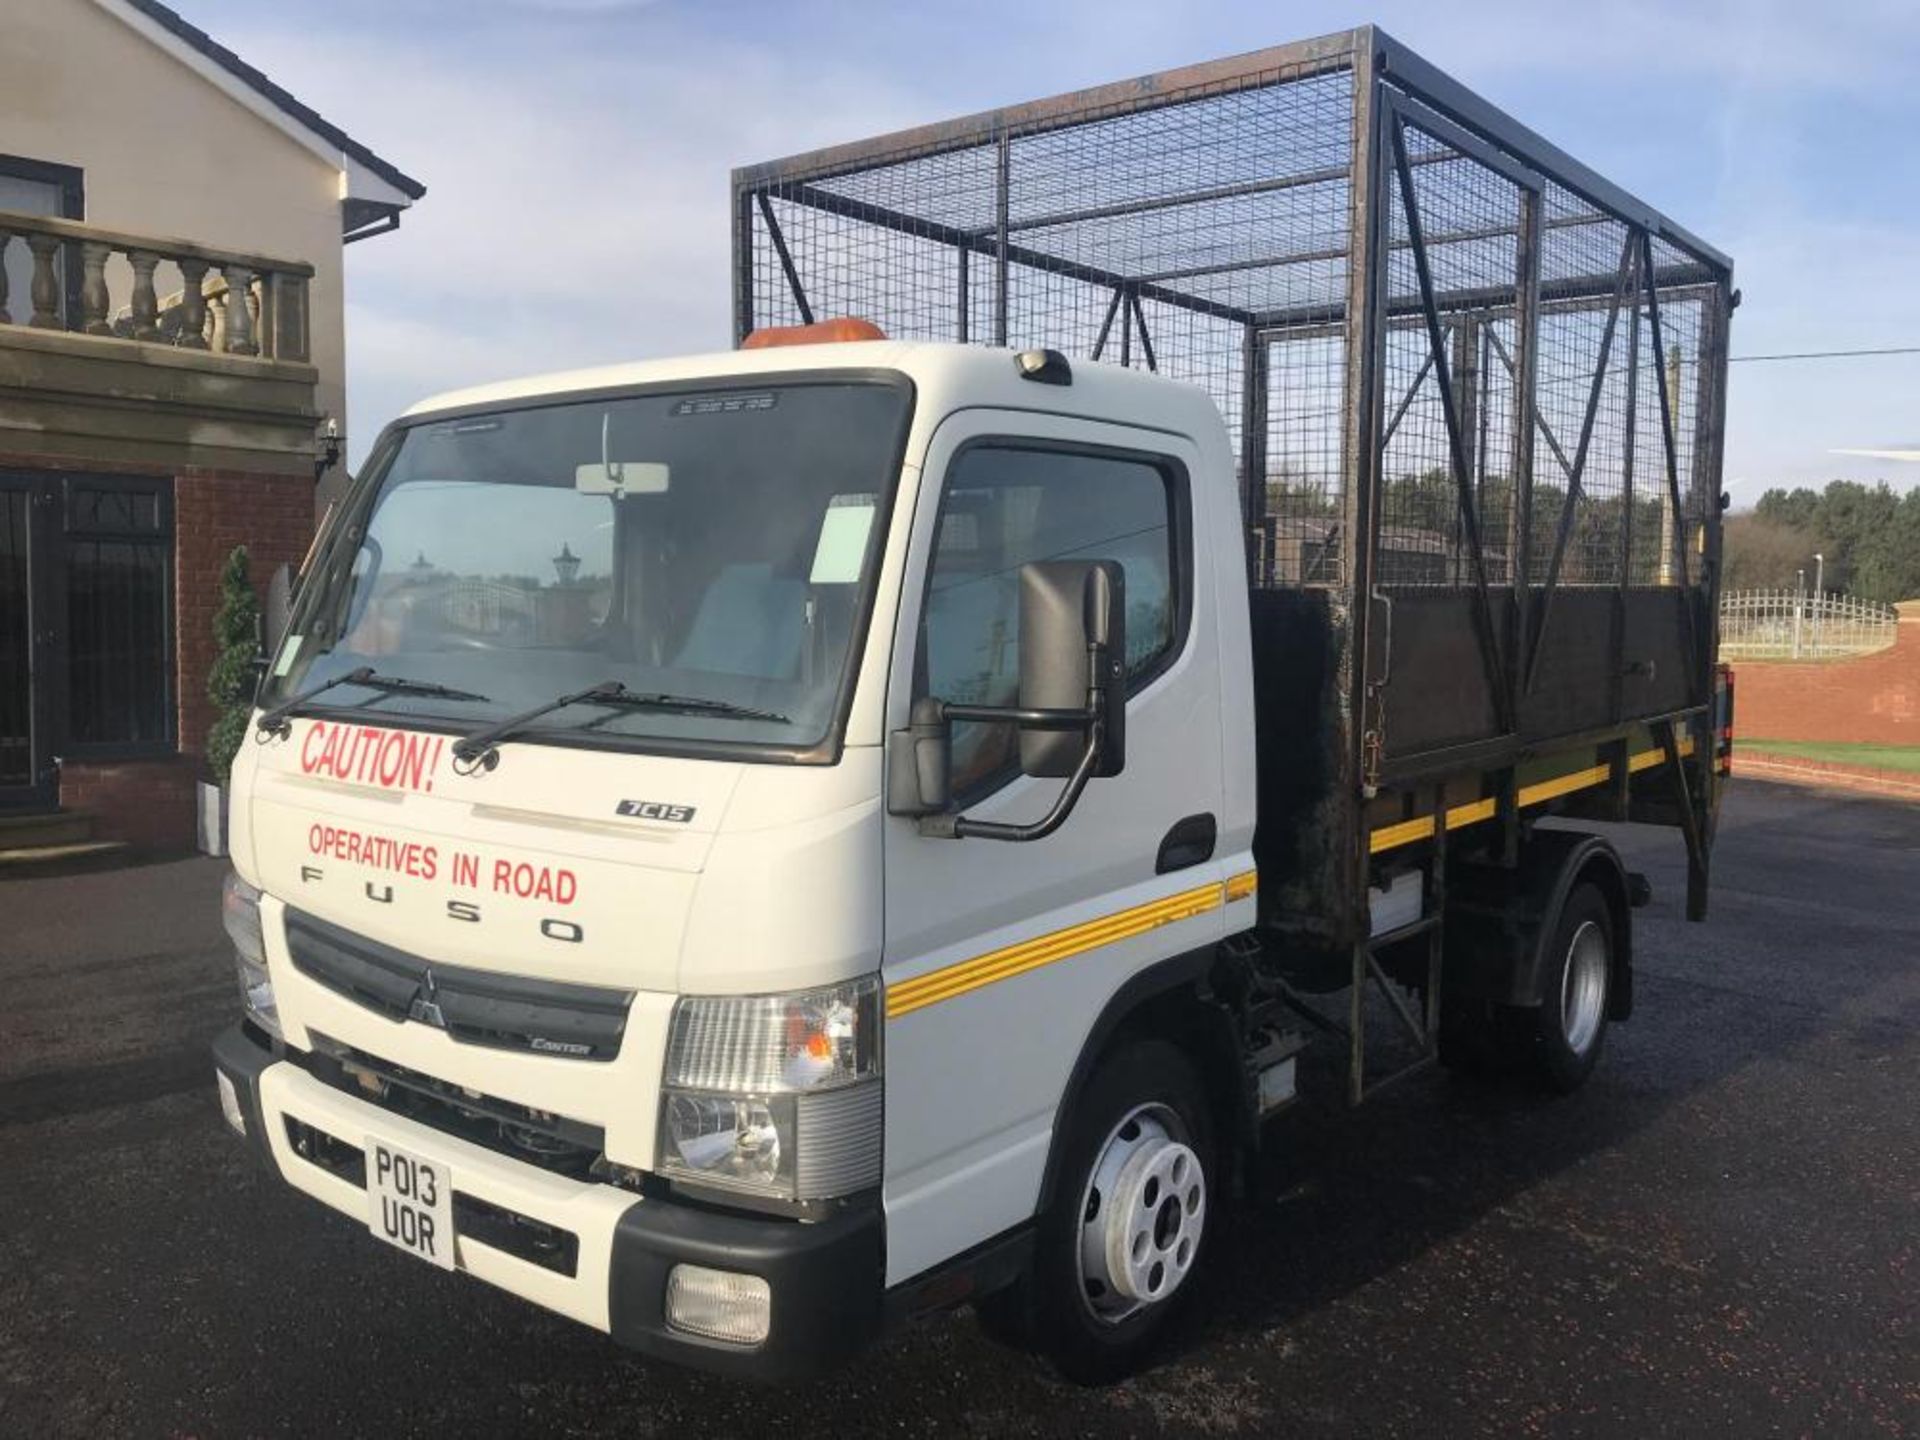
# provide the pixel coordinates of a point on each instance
(999, 956)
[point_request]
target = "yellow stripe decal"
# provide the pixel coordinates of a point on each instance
(1405, 832)
(957, 979)
(1565, 785)
(1240, 886)
(1472, 813)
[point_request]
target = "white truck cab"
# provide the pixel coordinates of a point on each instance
(589, 944)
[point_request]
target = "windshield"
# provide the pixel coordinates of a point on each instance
(715, 546)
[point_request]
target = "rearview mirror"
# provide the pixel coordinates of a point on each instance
(620, 478)
(1070, 612)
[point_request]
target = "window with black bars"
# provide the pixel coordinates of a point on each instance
(118, 565)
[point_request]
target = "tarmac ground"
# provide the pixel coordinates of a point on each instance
(1718, 1235)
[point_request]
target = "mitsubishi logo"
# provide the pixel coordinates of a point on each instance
(426, 1004)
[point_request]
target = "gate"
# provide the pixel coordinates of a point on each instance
(26, 761)
(86, 625)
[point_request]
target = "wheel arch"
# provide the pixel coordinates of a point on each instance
(1170, 1000)
(1557, 862)
(1501, 920)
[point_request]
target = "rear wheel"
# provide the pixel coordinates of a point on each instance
(1570, 1027)
(1557, 1043)
(1116, 1253)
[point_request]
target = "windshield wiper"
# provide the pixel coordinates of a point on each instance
(482, 746)
(276, 721)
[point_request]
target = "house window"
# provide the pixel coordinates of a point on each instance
(1006, 505)
(39, 187)
(119, 589)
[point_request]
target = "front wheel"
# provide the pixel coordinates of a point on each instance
(1116, 1252)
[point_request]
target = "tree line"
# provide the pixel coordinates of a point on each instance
(1869, 534)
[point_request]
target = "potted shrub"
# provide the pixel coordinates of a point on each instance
(230, 685)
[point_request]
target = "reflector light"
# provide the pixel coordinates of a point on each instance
(821, 332)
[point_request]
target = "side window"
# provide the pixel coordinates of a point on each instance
(1005, 506)
(38, 187)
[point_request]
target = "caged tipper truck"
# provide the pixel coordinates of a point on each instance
(745, 850)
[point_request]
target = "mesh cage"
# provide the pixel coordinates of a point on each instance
(1584, 343)
(1148, 237)
(1468, 218)
(1548, 361)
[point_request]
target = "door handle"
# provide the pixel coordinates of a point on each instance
(1189, 842)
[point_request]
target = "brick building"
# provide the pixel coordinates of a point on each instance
(172, 363)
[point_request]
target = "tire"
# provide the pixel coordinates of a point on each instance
(1569, 1028)
(1107, 1286)
(1546, 1045)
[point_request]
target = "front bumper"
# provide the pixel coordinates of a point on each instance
(827, 1278)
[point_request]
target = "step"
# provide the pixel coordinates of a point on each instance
(80, 854)
(43, 828)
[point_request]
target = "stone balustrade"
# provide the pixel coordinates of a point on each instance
(72, 264)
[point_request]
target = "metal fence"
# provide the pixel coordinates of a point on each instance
(1446, 352)
(1793, 625)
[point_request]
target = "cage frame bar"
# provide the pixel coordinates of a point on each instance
(1385, 57)
(864, 210)
(1490, 649)
(1624, 284)
(779, 239)
(1669, 454)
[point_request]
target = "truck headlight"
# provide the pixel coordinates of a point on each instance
(775, 1094)
(240, 913)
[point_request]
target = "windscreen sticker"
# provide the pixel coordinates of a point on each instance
(841, 552)
(726, 403)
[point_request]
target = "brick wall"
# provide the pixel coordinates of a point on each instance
(1872, 700)
(147, 803)
(213, 511)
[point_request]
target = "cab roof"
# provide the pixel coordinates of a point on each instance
(945, 375)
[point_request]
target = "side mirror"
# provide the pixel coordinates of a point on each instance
(1072, 710)
(279, 607)
(1072, 611)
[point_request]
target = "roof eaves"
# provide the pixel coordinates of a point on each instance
(198, 39)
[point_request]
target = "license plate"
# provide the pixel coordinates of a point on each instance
(410, 1203)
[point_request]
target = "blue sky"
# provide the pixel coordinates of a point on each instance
(577, 153)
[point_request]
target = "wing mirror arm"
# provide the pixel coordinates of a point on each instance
(962, 827)
(945, 825)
